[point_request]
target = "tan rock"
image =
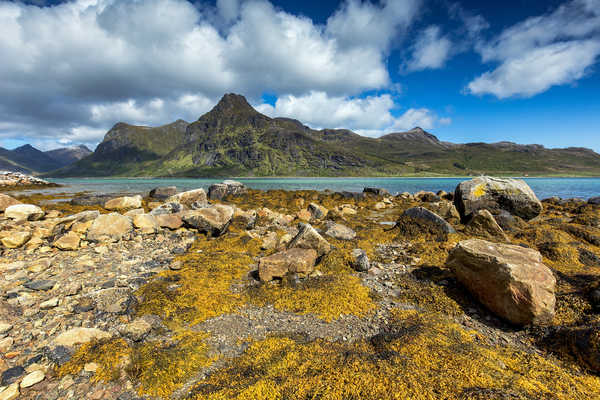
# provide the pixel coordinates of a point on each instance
(77, 336)
(136, 330)
(317, 211)
(214, 219)
(509, 280)
(69, 241)
(124, 203)
(110, 227)
(24, 212)
(146, 223)
(294, 260)
(339, 231)
(136, 211)
(10, 393)
(170, 221)
(16, 239)
(6, 344)
(309, 238)
(33, 378)
(189, 197)
(484, 225)
(380, 205)
(48, 304)
(304, 215)
(82, 227)
(270, 241)
(7, 201)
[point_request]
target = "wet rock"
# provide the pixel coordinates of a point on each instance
(594, 297)
(124, 203)
(509, 280)
(228, 188)
(421, 213)
(317, 211)
(170, 221)
(10, 393)
(97, 199)
(309, 238)
(361, 261)
(163, 192)
(16, 239)
(167, 208)
(495, 194)
(7, 201)
(376, 191)
(483, 224)
(213, 220)
(70, 241)
(11, 375)
(110, 227)
(77, 336)
(32, 379)
(278, 265)
(24, 212)
(41, 284)
(189, 197)
(146, 223)
(339, 231)
(427, 197)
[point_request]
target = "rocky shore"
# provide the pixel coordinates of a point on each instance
(232, 293)
(18, 181)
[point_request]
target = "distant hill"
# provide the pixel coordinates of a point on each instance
(233, 139)
(28, 159)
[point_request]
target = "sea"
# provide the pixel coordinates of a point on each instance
(543, 187)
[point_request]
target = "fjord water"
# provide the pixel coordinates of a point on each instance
(543, 187)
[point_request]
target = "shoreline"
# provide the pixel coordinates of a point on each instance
(338, 177)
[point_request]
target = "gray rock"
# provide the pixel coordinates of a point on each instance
(163, 192)
(42, 284)
(309, 238)
(167, 208)
(361, 261)
(213, 220)
(428, 216)
(376, 191)
(227, 188)
(594, 200)
(92, 199)
(339, 231)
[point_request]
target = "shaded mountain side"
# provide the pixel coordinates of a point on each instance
(233, 139)
(29, 159)
(68, 155)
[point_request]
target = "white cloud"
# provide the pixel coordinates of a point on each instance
(370, 116)
(552, 49)
(430, 51)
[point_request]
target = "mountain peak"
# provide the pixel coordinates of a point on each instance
(233, 103)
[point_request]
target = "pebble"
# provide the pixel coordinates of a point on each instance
(6, 344)
(43, 284)
(5, 327)
(10, 393)
(32, 379)
(48, 304)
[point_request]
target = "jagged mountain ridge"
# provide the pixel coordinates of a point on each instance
(233, 139)
(28, 159)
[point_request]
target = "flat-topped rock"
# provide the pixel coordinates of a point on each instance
(77, 336)
(110, 227)
(295, 260)
(213, 220)
(189, 197)
(218, 191)
(16, 239)
(69, 241)
(24, 212)
(309, 238)
(124, 203)
(163, 192)
(423, 214)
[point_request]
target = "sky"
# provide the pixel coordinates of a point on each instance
(466, 71)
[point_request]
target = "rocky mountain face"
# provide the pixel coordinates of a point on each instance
(28, 159)
(233, 139)
(68, 155)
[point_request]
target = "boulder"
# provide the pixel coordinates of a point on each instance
(146, 223)
(427, 197)
(135, 211)
(24, 212)
(167, 208)
(7, 201)
(444, 209)
(339, 231)
(170, 221)
(16, 239)
(317, 211)
(483, 224)
(189, 197)
(163, 192)
(245, 219)
(77, 336)
(509, 280)
(494, 195)
(136, 330)
(360, 260)
(113, 300)
(70, 241)
(309, 238)
(228, 188)
(376, 191)
(124, 203)
(110, 227)
(295, 260)
(213, 220)
(423, 214)
(91, 199)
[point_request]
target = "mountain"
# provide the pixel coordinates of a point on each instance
(68, 155)
(233, 139)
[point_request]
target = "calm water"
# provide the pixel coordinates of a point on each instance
(543, 187)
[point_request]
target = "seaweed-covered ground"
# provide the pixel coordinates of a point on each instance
(198, 324)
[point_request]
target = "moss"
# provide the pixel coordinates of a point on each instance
(420, 357)
(109, 355)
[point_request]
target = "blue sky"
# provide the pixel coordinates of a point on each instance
(466, 71)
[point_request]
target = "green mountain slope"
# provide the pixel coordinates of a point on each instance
(233, 139)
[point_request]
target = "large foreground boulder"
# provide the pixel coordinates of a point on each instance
(301, 261)
(110, 227)
(509, 280)
(189, 197)
(227, 188)
(24, 212)
(495, 195)
(213, 220)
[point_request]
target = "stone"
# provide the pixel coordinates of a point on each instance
(270, 241)
(304, 215)
(278, 265)
(167, 208)
(245, 219)
(16, 239)
(317, 211)
(124, 203)
(170, 221)
(10, 393)
(189, 197)
(146, 223)
(7, 201)
(134, 212)
(380, 205)
(495, 194)
(339, 231)
(213, 220)
(24, 212)
(218, 191)
(376, 191)
(11, 375)
(91, 199)
(136, 330)
(6, 344)
(5, 327)
(309, 238)
(361, 261)
(90, 367)
(511, 281)
(423, 214)
(427, 197)
(69, 241)
(76, 336)
(113, 300)
(48, 304)
(483, 224)
(33, 378)
(163, 192)
(42, 284)
(110, 227)
(444, 209)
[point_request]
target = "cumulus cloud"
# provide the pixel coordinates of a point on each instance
(85, 64)
(543, 51)
(371, 116)
(431, 50)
